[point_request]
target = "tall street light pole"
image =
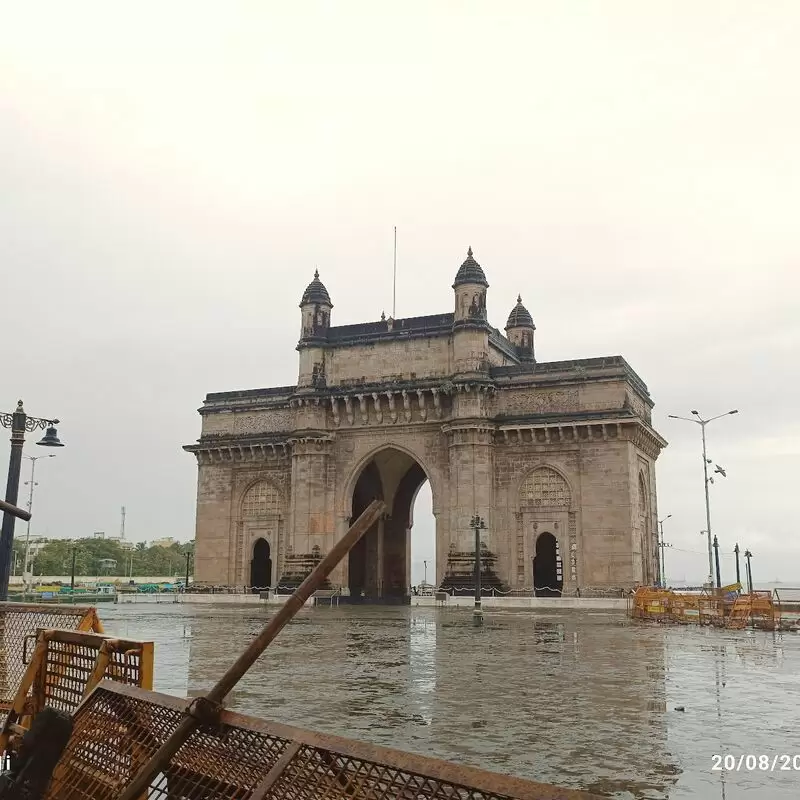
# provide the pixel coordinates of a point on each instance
(748, 555)
(698, 420)
(662, 570)
(738, 574)
(32, 483)
(20, 423)
(478, 524)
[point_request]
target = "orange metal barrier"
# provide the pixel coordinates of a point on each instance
(65, 666)
(19, 623)
(720, 607)
(118, 728)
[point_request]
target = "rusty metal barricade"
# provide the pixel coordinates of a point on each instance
(19, 623)
(757, 609)
(118, 728)
(65, 666)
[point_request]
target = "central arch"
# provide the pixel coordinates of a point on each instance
(379, 566)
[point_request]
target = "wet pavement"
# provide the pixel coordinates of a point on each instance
(579, 699)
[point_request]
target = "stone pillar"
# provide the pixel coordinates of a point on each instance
(311, 527)
(471, 457)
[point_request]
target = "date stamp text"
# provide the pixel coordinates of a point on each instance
(754, 762)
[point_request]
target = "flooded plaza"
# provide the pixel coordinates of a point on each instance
(579, 699)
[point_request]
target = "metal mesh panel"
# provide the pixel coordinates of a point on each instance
(72, 658)
(118, 728)
(19, 622)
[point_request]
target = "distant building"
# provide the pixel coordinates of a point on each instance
(166, 541)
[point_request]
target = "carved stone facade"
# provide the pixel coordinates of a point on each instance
(557, 457)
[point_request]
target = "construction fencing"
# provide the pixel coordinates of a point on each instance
(724, 608)
(65, 666)
(119, 728)
(19, 624)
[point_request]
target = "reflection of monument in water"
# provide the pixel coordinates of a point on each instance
(574, 700)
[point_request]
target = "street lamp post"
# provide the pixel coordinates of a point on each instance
(186, 585)
(707, 479)
(20, 423)
(478, 524)
(738, 575)
(32, 483)
(748, 555)
(425, 574)
(662, 570)
(716, 561)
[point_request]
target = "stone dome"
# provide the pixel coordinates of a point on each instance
(520, 317)
(470, 272)
(316, 293)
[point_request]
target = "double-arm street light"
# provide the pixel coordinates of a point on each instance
(698, 420)
(20, 423)
(31, 483)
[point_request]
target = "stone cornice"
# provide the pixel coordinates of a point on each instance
(230, 450)
(629, 428)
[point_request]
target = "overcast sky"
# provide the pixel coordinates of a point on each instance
(172, 173)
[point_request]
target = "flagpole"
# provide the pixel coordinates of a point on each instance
(394, 277)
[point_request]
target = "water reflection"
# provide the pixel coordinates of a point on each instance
(582, 700)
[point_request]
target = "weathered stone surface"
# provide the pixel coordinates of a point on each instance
(559, 448)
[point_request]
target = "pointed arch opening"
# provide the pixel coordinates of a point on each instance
(261, 566)
(548, 568)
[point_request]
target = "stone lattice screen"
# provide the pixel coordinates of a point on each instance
(118, 728)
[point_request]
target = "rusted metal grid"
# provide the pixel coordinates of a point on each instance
(19, 623)
(118, 728)
(65, 665)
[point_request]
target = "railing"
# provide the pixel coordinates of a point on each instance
(488, 591)
(65, 666)
(118, 728)
(19, 623)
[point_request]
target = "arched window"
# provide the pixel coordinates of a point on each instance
(262, 499)
(642, 497)
(545, 488)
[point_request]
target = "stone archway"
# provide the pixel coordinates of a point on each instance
(379, 566)
(548, 569)
(261, 566)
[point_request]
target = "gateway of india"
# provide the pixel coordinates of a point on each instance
(558, 458)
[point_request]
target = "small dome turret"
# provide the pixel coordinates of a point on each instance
(470, 272)
(520, 317)
(316, 293)
(520, 330)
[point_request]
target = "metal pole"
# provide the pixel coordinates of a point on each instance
(72, 578)
(478, 611)
(26, 564)
(738, 576)
(204, 710)
(18, 422)
(708, 508)
(748, 555)
(425, 579)
(186, 585)
(716, 562)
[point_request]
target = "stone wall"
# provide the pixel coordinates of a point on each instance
(395, 359)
